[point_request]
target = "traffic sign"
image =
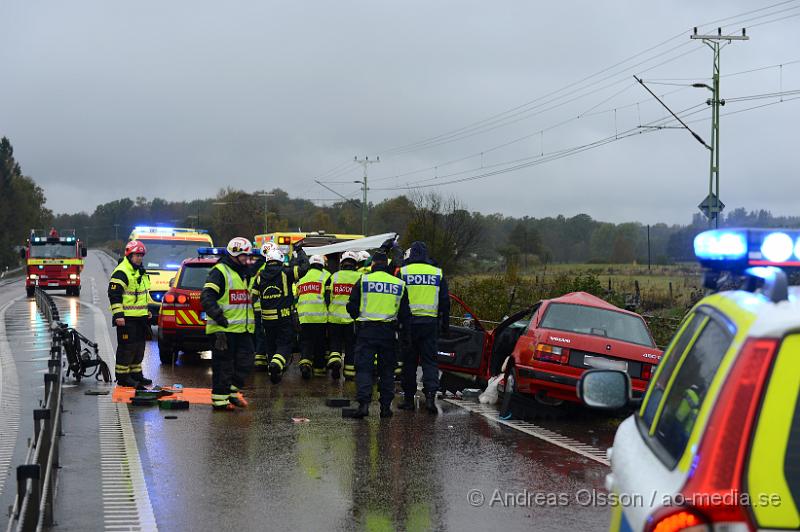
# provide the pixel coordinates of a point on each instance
(711, 206)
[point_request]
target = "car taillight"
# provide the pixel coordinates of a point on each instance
(169, 298)
(715, 478)
(647, 371)
(673, 519)
(551, 353)
(182, 299)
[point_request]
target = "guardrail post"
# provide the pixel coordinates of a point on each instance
(40, 415)
(24, 474)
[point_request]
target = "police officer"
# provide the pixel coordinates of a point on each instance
(127, 293)
(231, 319)
(312, 310)
(274, 289)
(429, 301)
(340, 324)
(378, 303)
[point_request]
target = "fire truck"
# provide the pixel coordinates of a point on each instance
(53, 262)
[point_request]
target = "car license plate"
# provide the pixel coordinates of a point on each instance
(604, 363)
(52, 283)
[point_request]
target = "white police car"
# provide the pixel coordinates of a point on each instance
(715, 444)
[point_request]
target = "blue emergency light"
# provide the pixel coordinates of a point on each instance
(738, 249)
(210, 251)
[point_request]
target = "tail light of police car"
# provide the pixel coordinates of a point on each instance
(551, 353)
(715, 478)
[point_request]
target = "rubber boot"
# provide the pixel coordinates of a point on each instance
(430, 402)
(140, 378)
(237, 400)
(275, 373)
(362, 411)
(336, 370)
(126, 380)
(227, 407)
(407, 404)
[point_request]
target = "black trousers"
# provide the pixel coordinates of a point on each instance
(342, 341)
(232, 366)
(420, 346)
(313, 337)
(279, 336)
(131, 340)
(367, 345)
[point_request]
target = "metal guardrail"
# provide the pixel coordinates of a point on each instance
(33, 505)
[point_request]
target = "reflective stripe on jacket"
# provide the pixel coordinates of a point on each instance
(311, 306)
(341, 286)
(134, 297)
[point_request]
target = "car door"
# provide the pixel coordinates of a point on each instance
(463, 348)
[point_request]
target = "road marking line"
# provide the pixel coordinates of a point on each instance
(554, 438)
(121, 470)
(9, 398)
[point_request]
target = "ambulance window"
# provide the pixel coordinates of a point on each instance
(671, 357)
(685, 397)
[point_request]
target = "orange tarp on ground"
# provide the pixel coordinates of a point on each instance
(199, 396)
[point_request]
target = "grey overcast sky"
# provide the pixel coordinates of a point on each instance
(177, 99)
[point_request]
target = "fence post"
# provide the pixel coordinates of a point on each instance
(24, 474)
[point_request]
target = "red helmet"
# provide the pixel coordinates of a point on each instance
(134, 246)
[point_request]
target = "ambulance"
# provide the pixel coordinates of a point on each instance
(167, 247)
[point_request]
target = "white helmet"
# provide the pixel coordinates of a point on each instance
(363, 255)
(351, 255)
(317, 259)
(239, 246)
(274, 255)
(267, 246)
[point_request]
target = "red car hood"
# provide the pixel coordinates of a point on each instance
(600, 345)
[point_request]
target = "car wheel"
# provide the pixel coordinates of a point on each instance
(167, 352)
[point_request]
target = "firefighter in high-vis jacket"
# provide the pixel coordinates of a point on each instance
(226, 299)
(429, 300)
(312, 310)
(378, 303)
(340, 323)
(127, 293)
(273, 287)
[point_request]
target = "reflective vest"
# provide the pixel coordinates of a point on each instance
(380, 297)
(236, 305)
(311, 297)
(254, 295)
(422, 281)
(341, 287)
(134, 298)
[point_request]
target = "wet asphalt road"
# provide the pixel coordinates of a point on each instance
(256, 469)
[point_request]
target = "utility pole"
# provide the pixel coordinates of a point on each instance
(266, 195)
(712, 206)
(364, 162)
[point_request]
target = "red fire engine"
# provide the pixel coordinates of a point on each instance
(53, 262)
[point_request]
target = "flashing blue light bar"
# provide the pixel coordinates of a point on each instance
(738, 249)
(210, 251)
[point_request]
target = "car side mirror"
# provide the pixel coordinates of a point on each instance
(83, 252)
(605, 389)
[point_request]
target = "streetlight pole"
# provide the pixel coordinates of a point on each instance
(266, 212)
(713, 205)
(364, 162)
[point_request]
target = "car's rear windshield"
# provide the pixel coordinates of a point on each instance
(597, 322)
(168, 254)
(194, 276)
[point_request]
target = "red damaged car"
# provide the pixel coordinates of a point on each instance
(550, 345)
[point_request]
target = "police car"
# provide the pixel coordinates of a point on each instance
(715, 443)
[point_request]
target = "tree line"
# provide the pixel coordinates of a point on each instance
(459, 239)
